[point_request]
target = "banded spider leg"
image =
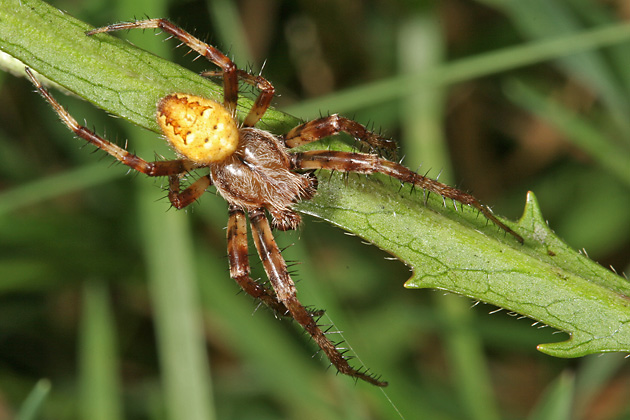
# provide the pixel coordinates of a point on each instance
(369, 164)
(229, 71)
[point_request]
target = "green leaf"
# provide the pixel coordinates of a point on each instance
(459, 252)
(454, 250)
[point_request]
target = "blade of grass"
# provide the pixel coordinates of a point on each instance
(33, 403)
(462, 70)
(421, 49)
(597, 13)
(549, 19)
(557, 400)
(173, 279)
(57, 185)
(167, 243)
(99, 379)
(225, 17)
(579, 131)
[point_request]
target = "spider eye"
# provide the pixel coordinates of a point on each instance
(200, 129)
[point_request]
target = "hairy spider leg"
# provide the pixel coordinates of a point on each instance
(182, 198)
(276, 270)
(229, 71)
(239, 262)
(368, 164)
(267, 92)
(171, 168)
(335, 124)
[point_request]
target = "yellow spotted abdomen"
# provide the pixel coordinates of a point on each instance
(199, 129)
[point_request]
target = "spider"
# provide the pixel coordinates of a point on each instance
(256, 173)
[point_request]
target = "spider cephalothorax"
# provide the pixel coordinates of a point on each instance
(255, 172)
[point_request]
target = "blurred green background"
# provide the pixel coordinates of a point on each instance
(99, 281)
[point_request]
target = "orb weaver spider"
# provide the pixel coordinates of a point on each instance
(255, 172)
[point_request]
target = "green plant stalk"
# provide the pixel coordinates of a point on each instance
(173, 279)
(174, 291)
(32, 406)
(99, 367)
(452, 250)
(421, 47)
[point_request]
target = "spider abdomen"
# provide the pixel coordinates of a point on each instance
(259, 175)
(199, 129)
